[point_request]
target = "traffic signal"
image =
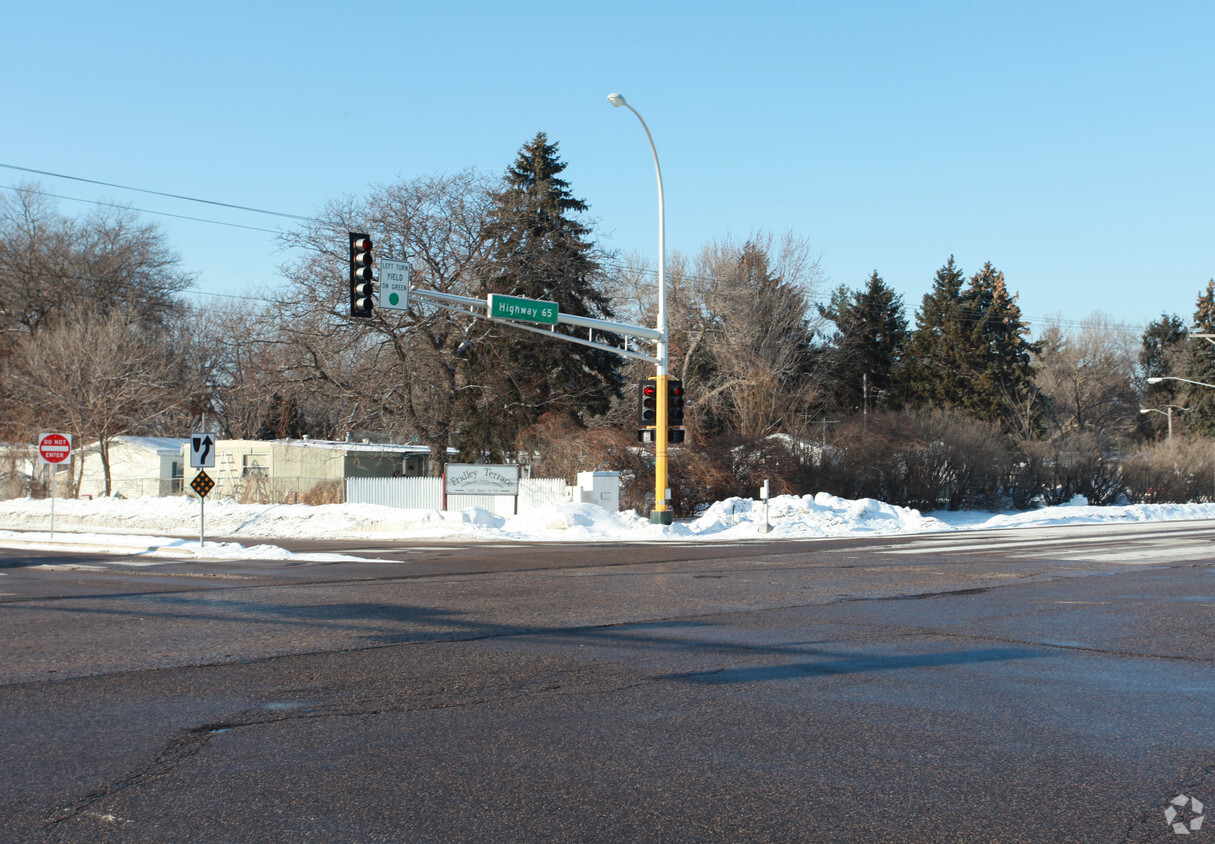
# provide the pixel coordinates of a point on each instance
(647, 403)
(362, 275)
(674, 436)
(674, 402)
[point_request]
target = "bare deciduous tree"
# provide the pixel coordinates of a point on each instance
(106, 261)
(1086, 376)
(396, 373)
(101, 377)
(742, 325)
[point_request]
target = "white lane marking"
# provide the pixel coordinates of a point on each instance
(1131, 552)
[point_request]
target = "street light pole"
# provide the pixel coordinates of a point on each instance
(1158, 379)
(1169, 414)
(661, 513)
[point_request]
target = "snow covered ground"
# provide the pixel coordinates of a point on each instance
(160, 528)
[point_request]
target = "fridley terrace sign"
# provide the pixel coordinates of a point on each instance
(481, 479)
(523, 310)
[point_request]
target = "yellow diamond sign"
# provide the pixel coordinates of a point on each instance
(202, 484)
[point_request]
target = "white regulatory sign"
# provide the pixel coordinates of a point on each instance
(394, 285)
(202, 451)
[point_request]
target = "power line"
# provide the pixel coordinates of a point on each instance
(814, 299)
(140, 210)
(162, 193)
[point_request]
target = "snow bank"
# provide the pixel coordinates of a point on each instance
(166, 527)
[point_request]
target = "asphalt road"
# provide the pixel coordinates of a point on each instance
(1046, 685)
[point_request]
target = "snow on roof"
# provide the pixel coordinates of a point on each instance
(157, 444)
(342, 445)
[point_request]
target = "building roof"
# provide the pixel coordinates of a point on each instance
(342, 445)
(157, 444)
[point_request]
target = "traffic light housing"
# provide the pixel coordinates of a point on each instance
(362, 275)
(647, 436)
(674, 403)
(647, 403)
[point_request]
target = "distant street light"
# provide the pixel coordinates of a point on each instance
(1158, 379)
(1167, 412)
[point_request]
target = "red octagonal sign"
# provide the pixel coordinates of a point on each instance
(55, 448)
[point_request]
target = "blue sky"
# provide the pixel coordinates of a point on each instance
(1068, 143)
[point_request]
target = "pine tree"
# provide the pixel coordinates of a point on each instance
(1003, 383)
(283, 420)
(1162, 354)
(867, 350)
(1163, 339)
(936, 363)
(1200, 366)
(970, 350)
(539, 250)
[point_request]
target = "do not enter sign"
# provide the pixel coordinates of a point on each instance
(54, 448)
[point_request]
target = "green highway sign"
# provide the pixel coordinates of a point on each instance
(522, 310)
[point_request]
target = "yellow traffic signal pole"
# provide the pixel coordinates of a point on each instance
(661, 513)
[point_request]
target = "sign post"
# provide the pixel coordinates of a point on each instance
(202, 455)
(764, 494)
(202, 484)
(54, 449)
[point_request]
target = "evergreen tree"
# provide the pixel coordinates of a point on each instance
(936, 360)
(538, 250)
(1003, 376)
(1163, 353)
(1200, 366)
(282, 421)
(969, 350)
(867, 350)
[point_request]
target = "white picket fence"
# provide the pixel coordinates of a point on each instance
(427, 494)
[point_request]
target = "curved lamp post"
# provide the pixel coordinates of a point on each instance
(1158, 379)
(661, 513)
(1168, 411)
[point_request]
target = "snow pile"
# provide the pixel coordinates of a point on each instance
(794, 517)
(160, 527)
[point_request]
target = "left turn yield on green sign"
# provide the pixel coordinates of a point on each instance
(394, 285)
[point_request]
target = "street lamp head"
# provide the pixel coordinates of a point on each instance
(1154, 380)
(616, 100)
(1145, 410)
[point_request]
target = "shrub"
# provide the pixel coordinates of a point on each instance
(325, 492)
(929, 461)
(1076, 464)
(1170, 473)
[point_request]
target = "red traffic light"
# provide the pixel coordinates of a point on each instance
(647, 403)
(362, 244)
(674, 402)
